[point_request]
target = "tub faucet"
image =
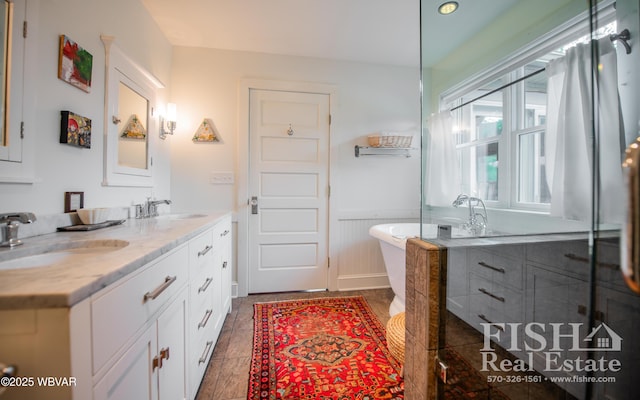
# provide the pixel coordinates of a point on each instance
(11, 223)
(477, 223)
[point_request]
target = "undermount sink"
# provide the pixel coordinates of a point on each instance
(180, 216)
(59, 254)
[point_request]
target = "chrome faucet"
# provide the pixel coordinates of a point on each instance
(477, 223)
(11, 223)
(149, 208)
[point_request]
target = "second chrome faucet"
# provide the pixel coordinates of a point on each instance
(477, 223)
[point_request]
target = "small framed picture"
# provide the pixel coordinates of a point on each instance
(74, 64)
(73, 201)
(75, 130)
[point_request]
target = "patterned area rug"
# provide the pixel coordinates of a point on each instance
(321, 349)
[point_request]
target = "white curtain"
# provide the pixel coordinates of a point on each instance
(569, 135)
(442, 179)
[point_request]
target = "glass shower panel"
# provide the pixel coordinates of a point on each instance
(540, 311)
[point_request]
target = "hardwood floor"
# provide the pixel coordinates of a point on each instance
(227, 376)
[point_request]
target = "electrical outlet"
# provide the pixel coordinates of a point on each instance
(221, 178)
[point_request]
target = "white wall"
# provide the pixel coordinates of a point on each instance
(371, 98)
(59, 167)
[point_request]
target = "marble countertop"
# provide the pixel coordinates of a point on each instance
(66, 283)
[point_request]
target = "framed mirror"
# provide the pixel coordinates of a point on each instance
(12, 49)
(129, 120)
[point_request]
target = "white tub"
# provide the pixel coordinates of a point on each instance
(393, 239)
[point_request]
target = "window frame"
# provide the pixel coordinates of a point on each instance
(514, 108)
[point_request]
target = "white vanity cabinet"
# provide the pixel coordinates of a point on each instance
(148, 335)
(150, 365)
(209, 295)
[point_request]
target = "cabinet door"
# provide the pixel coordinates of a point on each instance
(621, 313)
(225, 255)
(552, 297)
(172, 379)
(132, 377)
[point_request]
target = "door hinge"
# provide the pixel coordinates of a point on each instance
(24, 29)
(328, 262)
(329, 119)
(329, 191)
(21, 129)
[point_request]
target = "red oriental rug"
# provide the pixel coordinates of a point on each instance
(321, 349)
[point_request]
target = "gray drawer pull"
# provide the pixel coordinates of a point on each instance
(206, 284)
(488, 293)
(225, 233)
(485, 319)
(484, 264)
(574, 257)
(205, 250)
(207, 349)
(205, 319)
(157, 291)
(224, 265)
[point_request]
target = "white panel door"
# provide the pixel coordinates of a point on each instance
(289, 186)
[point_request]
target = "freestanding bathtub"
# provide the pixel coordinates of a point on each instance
(393, 240)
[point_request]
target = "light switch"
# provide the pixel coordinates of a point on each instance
(221, 178)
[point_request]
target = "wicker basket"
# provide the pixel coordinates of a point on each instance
(395, 336)
(390, 141)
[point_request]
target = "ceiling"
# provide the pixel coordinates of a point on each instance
(371, 31)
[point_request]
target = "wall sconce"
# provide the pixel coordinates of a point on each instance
(168, 123)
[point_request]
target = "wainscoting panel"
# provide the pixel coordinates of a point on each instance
(359, 259)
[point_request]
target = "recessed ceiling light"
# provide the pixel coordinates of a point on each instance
(448, 7)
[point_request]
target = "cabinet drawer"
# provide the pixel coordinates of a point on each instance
(503, 270)
(120, 310)
(201, 253)
(202, 349)
(497, 302)
(572, 257)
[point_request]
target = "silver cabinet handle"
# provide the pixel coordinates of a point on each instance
(488, 293)
(207, 349)
(8, 371)
(205, 319)
(157, 291)
(485, 319)
(581, 259)
(205, 285)
(225, 233)
(224, 265)
(205, 250)
(497, 269)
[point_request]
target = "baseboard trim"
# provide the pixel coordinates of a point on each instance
(361, 282)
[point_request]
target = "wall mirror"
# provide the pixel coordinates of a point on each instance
(129, 123)
(12, 48)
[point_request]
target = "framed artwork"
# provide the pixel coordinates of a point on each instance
(206, 133)
(134, 129)
(74, 64)
(73, 201)
(75, 130)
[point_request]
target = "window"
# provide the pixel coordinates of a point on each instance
(500, 128)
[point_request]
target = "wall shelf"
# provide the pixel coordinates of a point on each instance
(383, 151)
